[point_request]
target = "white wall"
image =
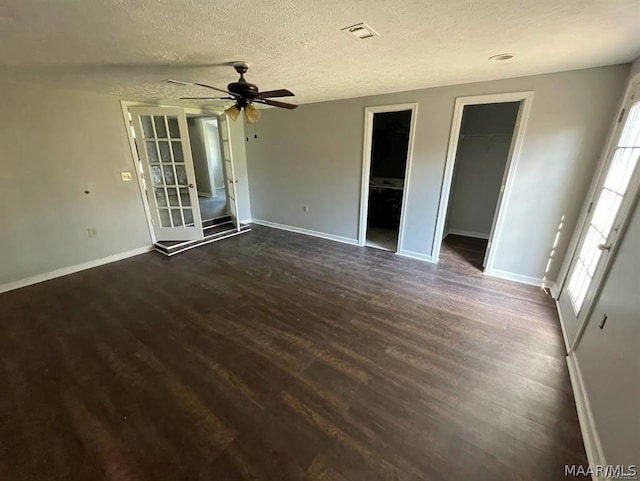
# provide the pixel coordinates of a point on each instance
(481, 158)
(199, 155)
(313, 155)
(56, 144)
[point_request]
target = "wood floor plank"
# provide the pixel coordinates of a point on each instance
(275, 356)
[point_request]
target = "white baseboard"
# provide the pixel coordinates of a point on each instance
(299, 230)
(595, 454)
(71, 269)
(510, 276)
(467, 233)
(246, 221)
(205, 194)
(550, 286)
(416, 255)
(555, 290)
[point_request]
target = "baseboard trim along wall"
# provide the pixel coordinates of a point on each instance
(592, 445)
(510, 276)
(467, 233)
(416, 255)
(299, 230)
(567, 346)
(63, 271)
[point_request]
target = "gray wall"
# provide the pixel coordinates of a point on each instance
(574, 231)
(481, 158)
(313, 155)
(489, 118)
(56, 144)
(199, 154)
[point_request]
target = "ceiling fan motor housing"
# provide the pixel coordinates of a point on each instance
(244, 89)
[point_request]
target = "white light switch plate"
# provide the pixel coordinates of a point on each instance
(126, 176)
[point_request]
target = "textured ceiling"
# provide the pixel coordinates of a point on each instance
(127, 47)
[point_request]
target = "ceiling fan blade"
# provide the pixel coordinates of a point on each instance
(275, 93)
(206, 98)
(180, 82)
(275, 103)
(215, 88)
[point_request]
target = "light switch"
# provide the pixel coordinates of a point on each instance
(126, 176)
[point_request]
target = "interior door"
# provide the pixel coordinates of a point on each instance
(228, 171)
(607, 214)
(511, 145)
(162, 141)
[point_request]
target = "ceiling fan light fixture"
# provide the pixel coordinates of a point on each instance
(233, 112)
(252, 114)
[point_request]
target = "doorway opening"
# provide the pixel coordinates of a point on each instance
(486, 136)
(204, 139)
(481, 159)
(388, 147)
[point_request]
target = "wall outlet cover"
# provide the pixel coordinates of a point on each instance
(126, 176)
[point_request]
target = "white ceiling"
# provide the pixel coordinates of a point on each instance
(127, 47)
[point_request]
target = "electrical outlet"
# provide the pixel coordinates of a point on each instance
(305, 208)
(126, 176)
(92, 232)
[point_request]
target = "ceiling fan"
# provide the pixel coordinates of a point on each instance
(244, 94)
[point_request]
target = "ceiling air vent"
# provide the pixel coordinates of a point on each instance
(360, 31)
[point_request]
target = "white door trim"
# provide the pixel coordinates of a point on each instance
(366, 167)
(516, 145)
(208, 149)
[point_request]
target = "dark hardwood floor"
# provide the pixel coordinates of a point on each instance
(276, 356)
(462, 250)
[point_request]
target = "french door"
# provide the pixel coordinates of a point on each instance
(230, 181)
(608, 211)
(163, 147)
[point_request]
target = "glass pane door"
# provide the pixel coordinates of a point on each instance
(602, 225)
(163, 147)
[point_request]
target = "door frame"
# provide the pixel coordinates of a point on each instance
(369, 112)
(230, 181)
(626, 209)
(525, 98)
(135, 161)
